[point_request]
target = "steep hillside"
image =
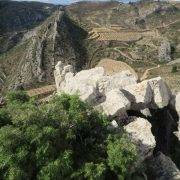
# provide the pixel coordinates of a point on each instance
(143, 34)
(18, 17)
(32, 61)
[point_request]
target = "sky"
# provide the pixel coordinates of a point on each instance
(66, 1)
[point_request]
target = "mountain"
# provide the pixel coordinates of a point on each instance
(145, 35)
(16, 18)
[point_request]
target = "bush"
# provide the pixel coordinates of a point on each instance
(63, 139)
(19, 96)
(121, 155)
(174, 69)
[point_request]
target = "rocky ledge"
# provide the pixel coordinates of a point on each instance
(134, 105)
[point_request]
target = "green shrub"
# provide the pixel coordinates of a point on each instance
(19, 96)
(63, 139)
(174, 69)
(121, 155)
(5, 118)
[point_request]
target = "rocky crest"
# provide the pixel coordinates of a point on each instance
(127, 102)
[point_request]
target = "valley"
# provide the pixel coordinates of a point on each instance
(90, 90)
(144, 35)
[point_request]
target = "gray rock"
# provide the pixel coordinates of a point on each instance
(115, 104)
(140, 133)
(177, 108)
(118, 80)
(84, 83)
(161, 93)
(164, 51)
(140, 95)
(163, 168)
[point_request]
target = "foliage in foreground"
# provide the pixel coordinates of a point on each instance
(63, 139)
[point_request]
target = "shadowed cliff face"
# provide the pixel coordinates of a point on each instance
(164, 123)
(32, 61)
(16, 18)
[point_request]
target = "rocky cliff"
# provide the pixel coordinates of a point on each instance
(16, 18)
(32, 61)
(144, 109)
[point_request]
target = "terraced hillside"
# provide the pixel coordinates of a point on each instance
(142, 34)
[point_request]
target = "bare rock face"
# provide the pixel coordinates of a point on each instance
(165, 51)
(115, 104)
(94, 84)
(140, 95)
(163, 168)
(161, 93)
(83, 83)
(125, 101)
(177, 108)
(60, 72)
(140, 133)
(118, 80)
(177, 103)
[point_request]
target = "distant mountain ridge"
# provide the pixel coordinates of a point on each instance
(82, 34)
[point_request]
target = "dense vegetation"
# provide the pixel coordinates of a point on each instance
(62, 139)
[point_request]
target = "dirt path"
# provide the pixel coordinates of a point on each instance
(42, 91)
(146, 73)
(124, 54)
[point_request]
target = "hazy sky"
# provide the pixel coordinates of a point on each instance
(65, 1)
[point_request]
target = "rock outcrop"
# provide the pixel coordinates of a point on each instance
(177, 107)
(164, 52)
(163, 168)
(140, 132)
(115, 104)
(95, 86)
(135, 106)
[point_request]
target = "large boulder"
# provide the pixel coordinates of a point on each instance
(140, 133)
(90, 76)
(83, 83)
(161, 93)
(177, 103)
(60, 73)
(118, 80)
(177, 108)
(140, 95)
(163, 168)
(115, 104)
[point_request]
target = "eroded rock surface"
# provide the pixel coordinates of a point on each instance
(139, 107)
(163, 168)
(140, 132)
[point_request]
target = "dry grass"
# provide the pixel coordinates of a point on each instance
(172, 79)
(42, 91)
(112, 66)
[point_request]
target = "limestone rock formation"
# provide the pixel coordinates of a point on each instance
(140, 95)
(165, 51)
(177, 107)
(118, 80)
(116, 103)
(126, 102)
(177, 103)
(161, 93)
(95, 86)
(83, 83)
(163, 168)
(140, 132)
